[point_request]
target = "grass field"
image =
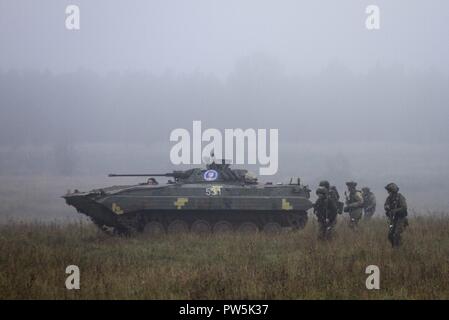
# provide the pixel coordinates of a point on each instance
(293, 265)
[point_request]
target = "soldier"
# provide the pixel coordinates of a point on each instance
(369, 203)
(396, 211)
(326, 212)
(333, 195)
(354, 204)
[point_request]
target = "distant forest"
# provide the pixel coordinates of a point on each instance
(46, 117)
(385, 104)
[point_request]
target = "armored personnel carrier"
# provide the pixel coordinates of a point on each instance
(201, 200)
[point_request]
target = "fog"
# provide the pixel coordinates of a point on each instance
(349, 103)
(185, 36)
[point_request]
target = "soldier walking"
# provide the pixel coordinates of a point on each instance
(396, 211)
(336, 196)
(333, 195)
(326, 212)
(369, 203)
(354, 204)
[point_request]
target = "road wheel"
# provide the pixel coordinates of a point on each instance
(154, 228)
(272, 228)
(177, 226)
(200, 227)
(298, 221)
(223, 227)
(248, 227)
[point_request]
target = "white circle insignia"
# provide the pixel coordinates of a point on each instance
(210, 175)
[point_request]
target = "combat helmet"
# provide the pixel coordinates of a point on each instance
(351, 184)
(392, 187)
(324, 183)
(321, 190)
(366, 189)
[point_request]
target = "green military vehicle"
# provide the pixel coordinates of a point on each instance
(201, 200)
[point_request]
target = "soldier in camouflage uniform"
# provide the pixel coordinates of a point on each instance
(354, 204)
(396, 211)
(333, 194)
(326, 212)
(369, 203)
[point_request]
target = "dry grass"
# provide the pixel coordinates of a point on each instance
(289, 266)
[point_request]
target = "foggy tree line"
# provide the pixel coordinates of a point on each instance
(387, 103)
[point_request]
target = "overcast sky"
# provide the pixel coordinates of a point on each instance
(184, 36)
